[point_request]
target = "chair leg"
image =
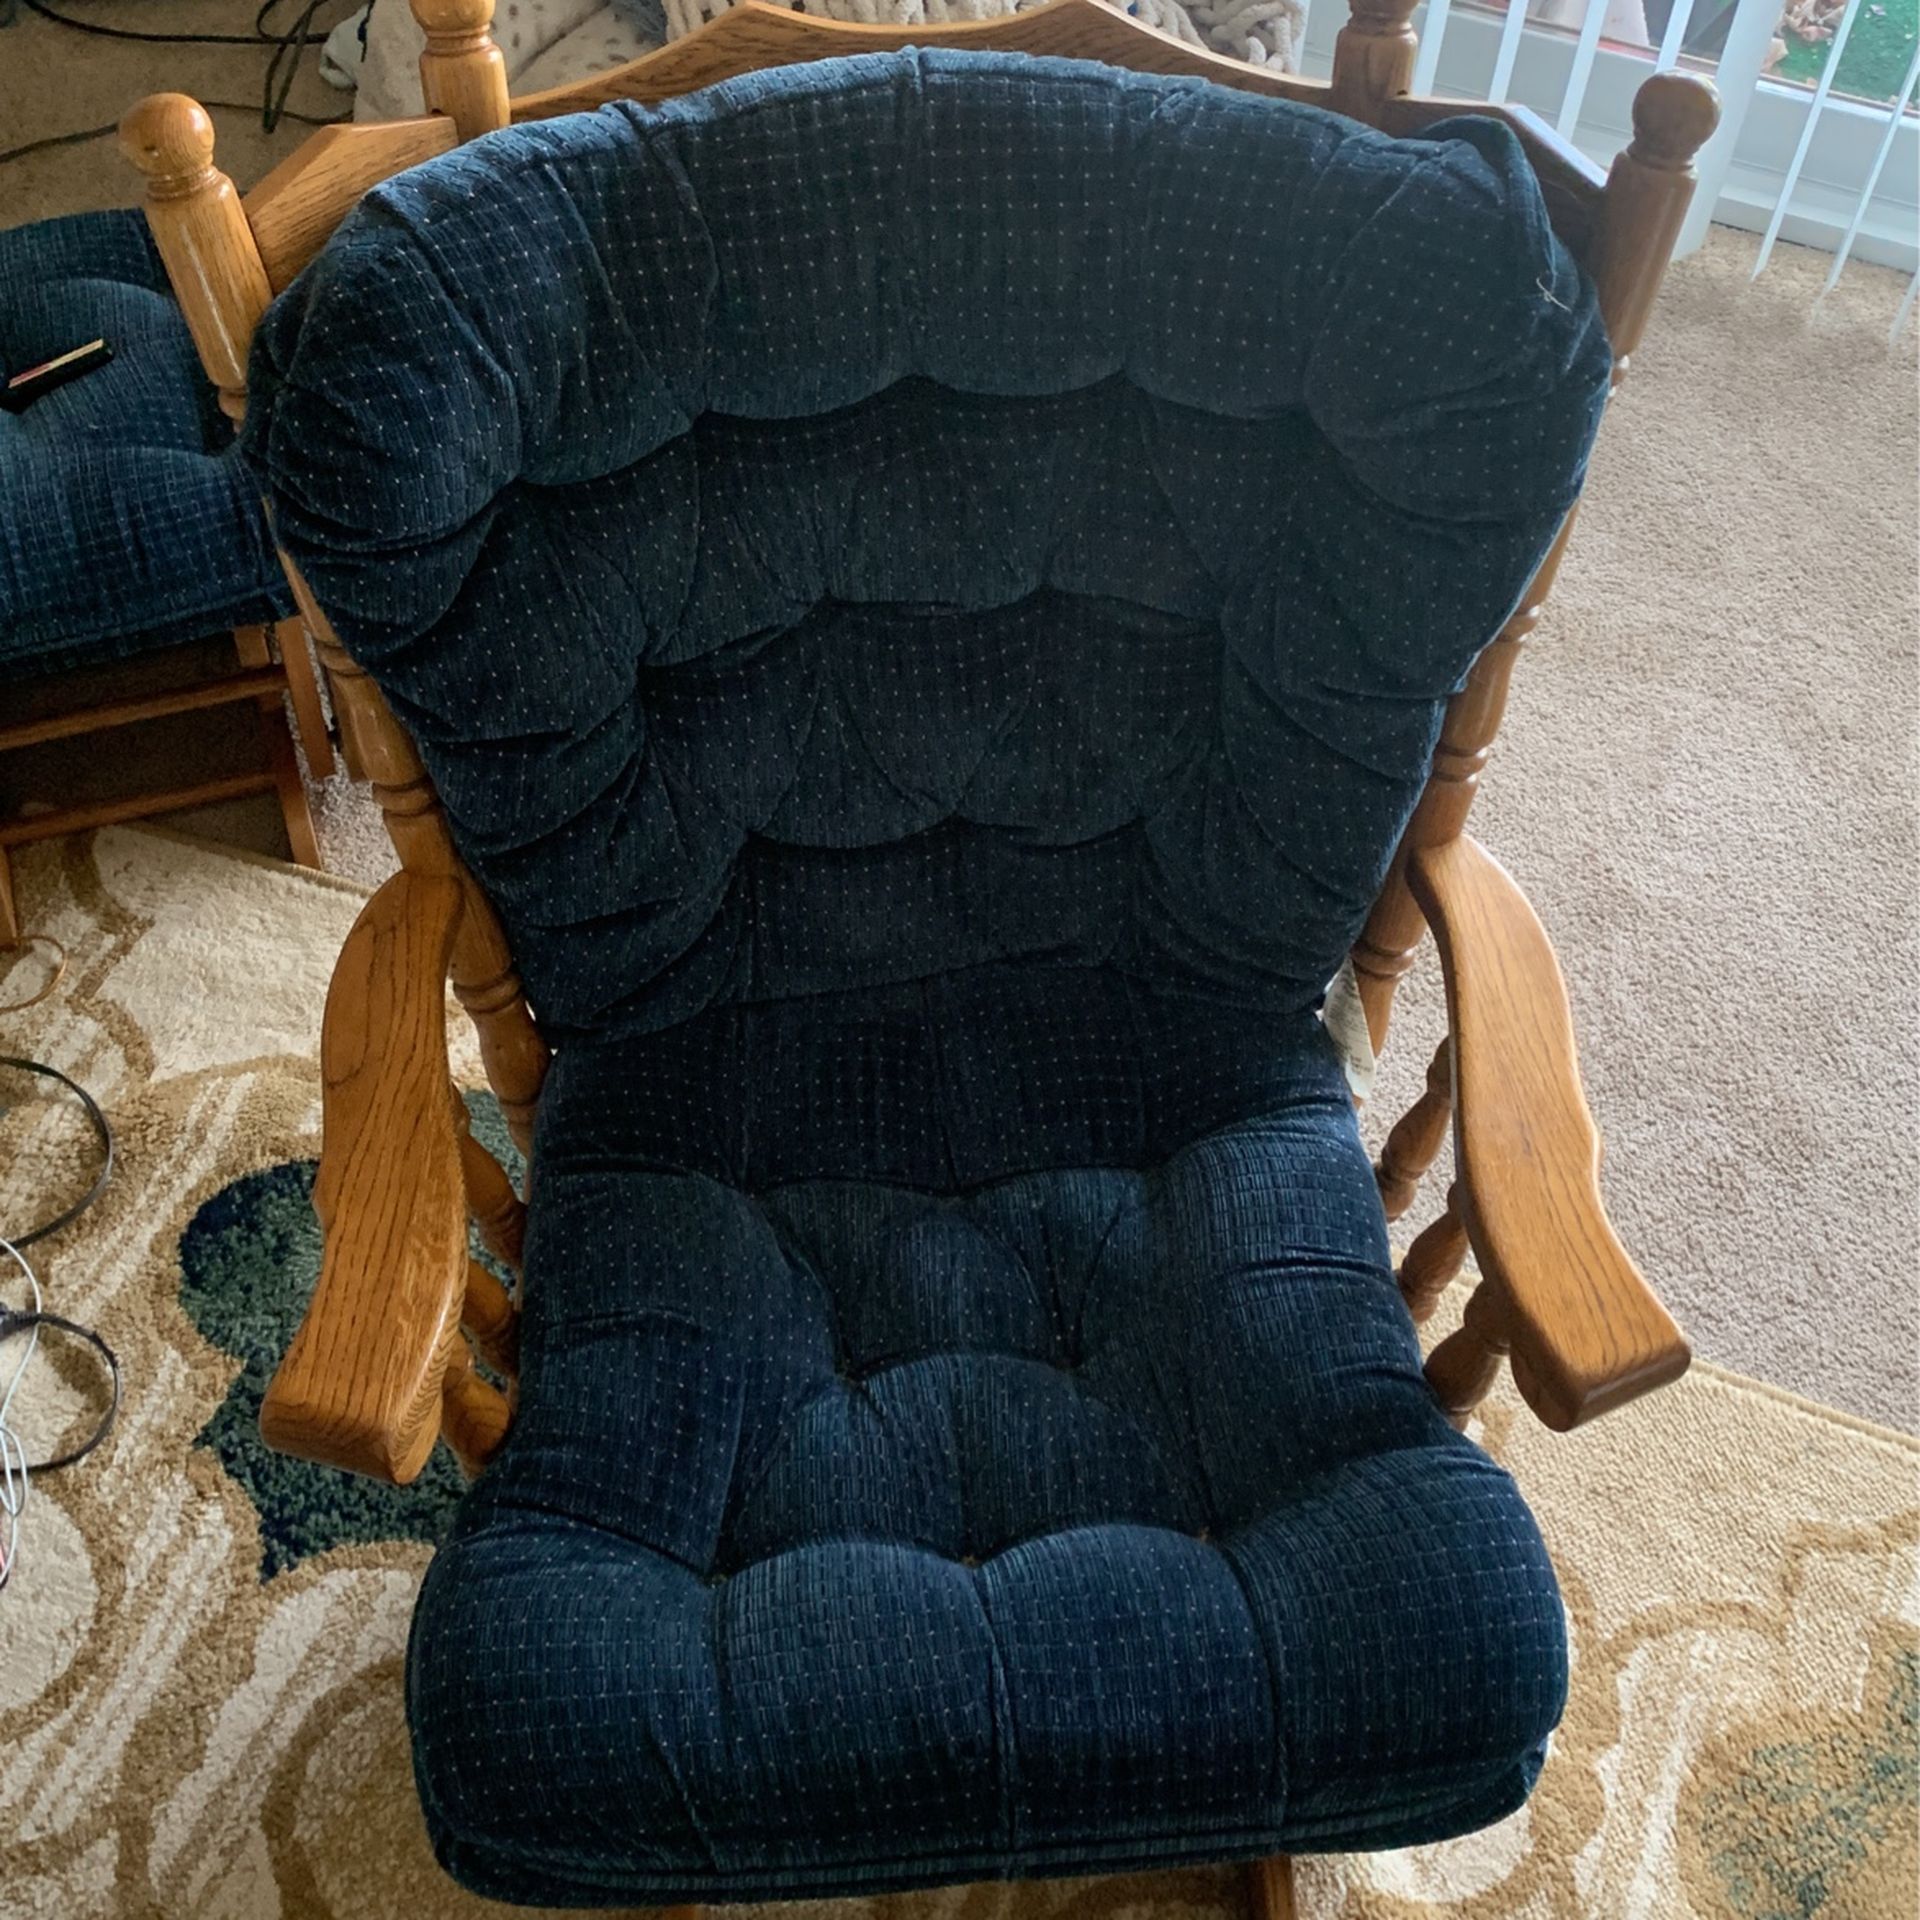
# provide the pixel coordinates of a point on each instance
(9, 913)
(303, 691)
(1270, 1885)
(250, 643)
(291, 789)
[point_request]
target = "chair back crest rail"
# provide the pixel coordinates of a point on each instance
(229, 254)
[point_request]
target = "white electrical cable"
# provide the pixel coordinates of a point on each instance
(13, 1456)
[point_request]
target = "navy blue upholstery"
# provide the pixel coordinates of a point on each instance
(927, 585)
(126, 519)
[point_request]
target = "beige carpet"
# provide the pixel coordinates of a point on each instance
(1707, 783)
(200, 1710)
(54, 81)
(1707, 780)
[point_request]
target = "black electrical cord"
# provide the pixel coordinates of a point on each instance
(12, 1323)
(287, 50)
(36, 1319)
(101, 1131)
(152, 39)
(287, 46)
(113, 126)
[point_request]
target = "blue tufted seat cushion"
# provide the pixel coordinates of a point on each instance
(927, 586)
(1058, 1490)
(126, 518)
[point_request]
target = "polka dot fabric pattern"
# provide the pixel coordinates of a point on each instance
(1067, 1497)
(927, 585)
(126, 521)
(929, 509)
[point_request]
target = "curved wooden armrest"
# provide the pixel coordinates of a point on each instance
(361, 1385)
(1587, 1332)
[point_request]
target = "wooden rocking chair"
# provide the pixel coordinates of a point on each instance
(384, 1364)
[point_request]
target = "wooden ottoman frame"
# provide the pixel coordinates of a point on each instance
(273, 668)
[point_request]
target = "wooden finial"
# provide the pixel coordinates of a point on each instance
(1373, 57)
(1649, 188)
(201, 230)
(170, 139)
(1674, 115)
(462, 73)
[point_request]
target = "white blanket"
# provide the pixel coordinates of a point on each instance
(550, 42)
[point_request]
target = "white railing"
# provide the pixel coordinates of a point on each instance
(1806, 164)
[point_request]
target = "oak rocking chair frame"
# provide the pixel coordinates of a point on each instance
(383, 1364)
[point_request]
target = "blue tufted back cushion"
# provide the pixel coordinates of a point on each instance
(881, 517)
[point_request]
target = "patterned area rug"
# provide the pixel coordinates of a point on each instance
(200, 1650)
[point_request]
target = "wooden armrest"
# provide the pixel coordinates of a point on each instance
(360, 1387)
(1587, 1332)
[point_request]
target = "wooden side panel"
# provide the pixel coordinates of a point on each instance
(303, 695)
(295, 209)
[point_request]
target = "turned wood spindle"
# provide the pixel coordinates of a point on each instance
(485, 981)
(1388, 943)
(490, 1316)
(1434, 1260)
(201, 230)
(1649, 189)
(1414, 1143)
(462, 73)
(488, 987)
(474, 1416)
(491, 1201)
(1373, 56)
(1462, 1369)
